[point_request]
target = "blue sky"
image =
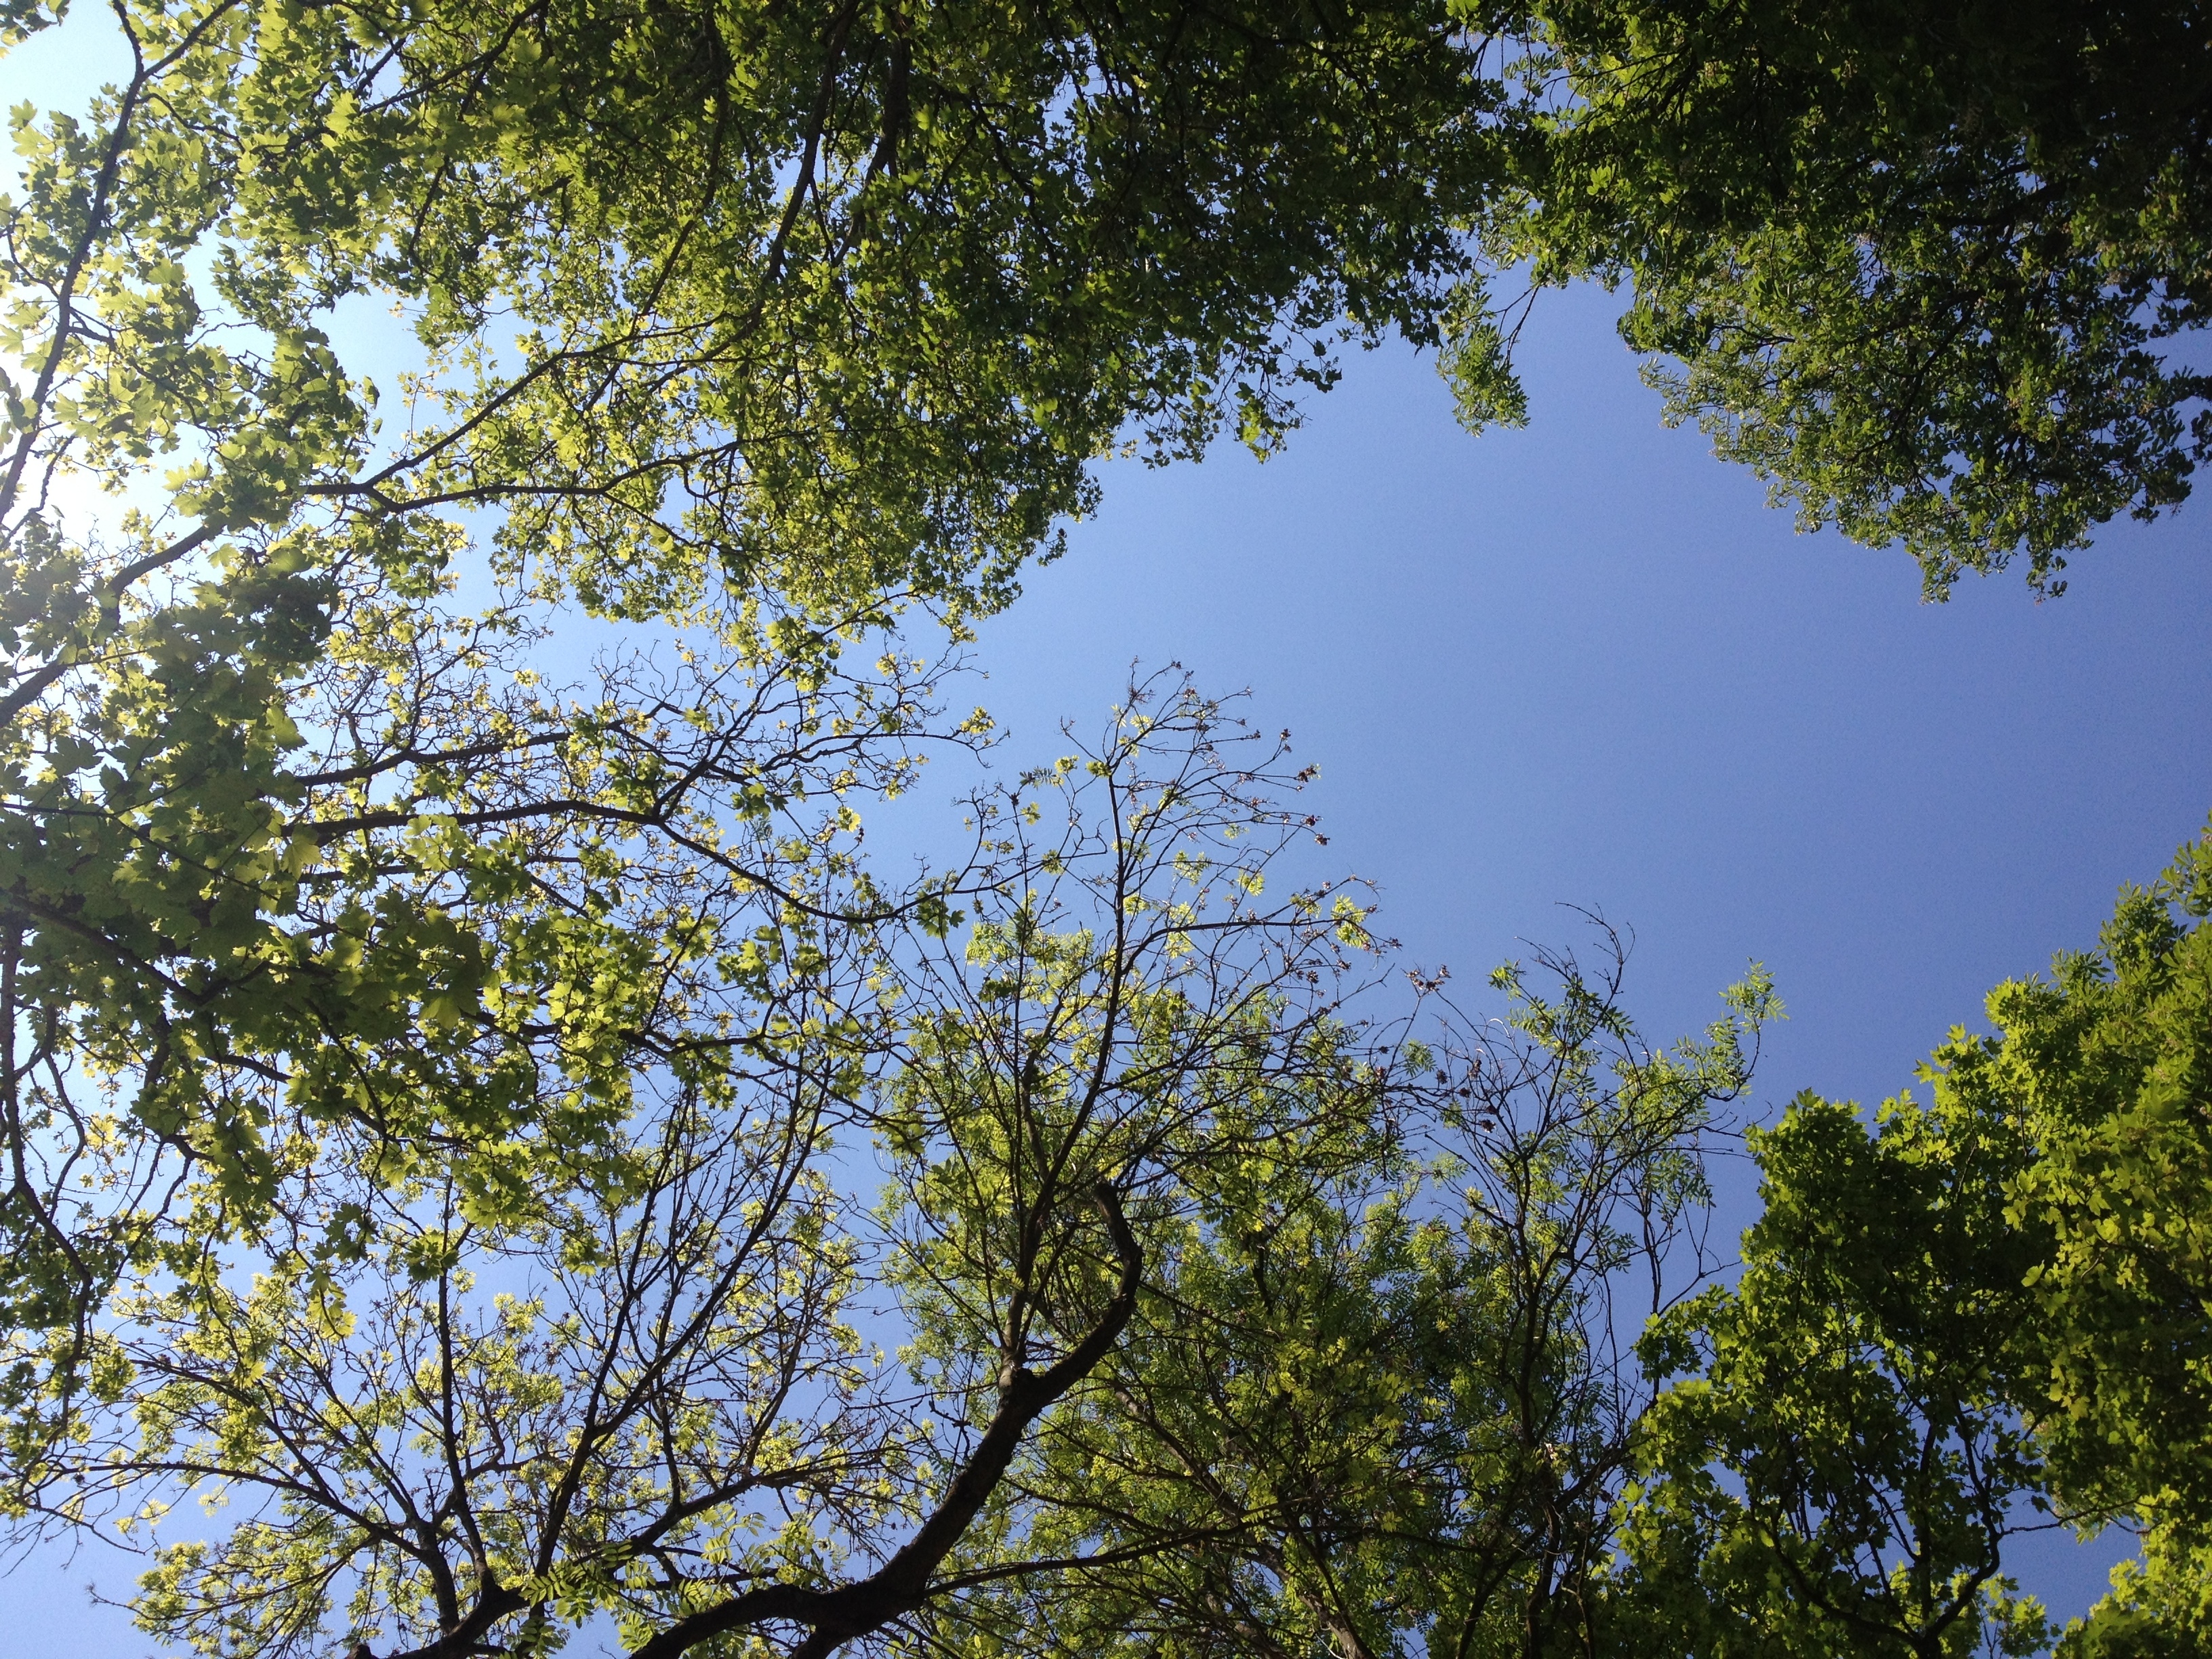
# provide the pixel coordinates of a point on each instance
(1586, 663)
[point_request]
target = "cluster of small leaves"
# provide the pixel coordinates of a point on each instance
(397, 882)
(645, 1387)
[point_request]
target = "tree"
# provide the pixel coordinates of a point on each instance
(643, 1385)
(491, 1119)
(1157, 1333)
(842, 303)
(458, 925)
(752, 325)
(1842, 1461)
(1915, 264)
(2108, 1065)
(431, 1082)
(1995, 1299)
(1371, 1405)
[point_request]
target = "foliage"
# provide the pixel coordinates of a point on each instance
(1915, 264)
(1983, 1306)
(752, 325)
(458, 923)
(2108, 1065)
(573, 1315)
(840, 302)
(439, 1089)
(1840, 1468)
(1373, 1396)
(643, 1387)
(473, 1111)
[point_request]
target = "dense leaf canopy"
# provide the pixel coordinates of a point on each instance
(1916, 261)
(358, 948)
(1985, 1312)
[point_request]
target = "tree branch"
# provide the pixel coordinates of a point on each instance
(902, 1584)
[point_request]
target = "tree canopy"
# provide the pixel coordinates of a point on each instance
(750, 328)
(1984, 1313)
(1220, 1311)
(474, 1108)
(1929, 266)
